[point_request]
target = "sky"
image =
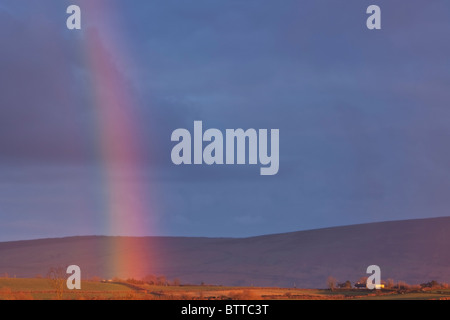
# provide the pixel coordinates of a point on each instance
(86, 115)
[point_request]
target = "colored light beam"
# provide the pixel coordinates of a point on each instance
(121, 153)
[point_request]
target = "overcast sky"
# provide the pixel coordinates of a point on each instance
(363, 115)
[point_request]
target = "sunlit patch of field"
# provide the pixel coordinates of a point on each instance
(443, 294)
(40, 289)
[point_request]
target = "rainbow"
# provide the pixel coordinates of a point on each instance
(120, 146)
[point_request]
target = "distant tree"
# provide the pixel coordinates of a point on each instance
(344, 285)
(434, 284)
(402, 285)
(331, 283)
(363, 280)
(390, 283)
(134, 281)
(150, 279)
(161, 280)
(176, 282)
(57, 279)
(431, 284)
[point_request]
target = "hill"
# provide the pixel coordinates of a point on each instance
(414, 251)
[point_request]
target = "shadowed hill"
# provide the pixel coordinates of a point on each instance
(414, 251)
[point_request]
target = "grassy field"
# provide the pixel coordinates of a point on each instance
(40, 289)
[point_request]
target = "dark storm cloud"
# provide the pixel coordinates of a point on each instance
(229, 63)
(363, 115)
(41, 117)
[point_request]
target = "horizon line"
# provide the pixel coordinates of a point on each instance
(219, 237)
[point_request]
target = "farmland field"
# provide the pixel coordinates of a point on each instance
(40, 289)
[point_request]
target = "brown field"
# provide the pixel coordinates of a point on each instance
(40, 289)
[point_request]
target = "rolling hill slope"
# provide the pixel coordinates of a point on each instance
(414, 251)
